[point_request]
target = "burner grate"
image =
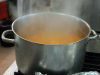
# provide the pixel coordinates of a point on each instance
(18, 73)
(92, 62)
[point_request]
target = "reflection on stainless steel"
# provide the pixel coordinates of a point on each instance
(94, 33)
(94, 45)
(6, 39)
(39, 73)
(99, 35)
(87, 73)
(81, 73)
(48, 58)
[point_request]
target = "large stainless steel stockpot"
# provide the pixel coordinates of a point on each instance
(49, 58)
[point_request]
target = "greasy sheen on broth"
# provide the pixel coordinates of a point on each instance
(53, 38)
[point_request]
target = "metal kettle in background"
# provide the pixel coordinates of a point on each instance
(88, 10)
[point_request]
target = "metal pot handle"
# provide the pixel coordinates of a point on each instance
(6, 39)
(93, 37)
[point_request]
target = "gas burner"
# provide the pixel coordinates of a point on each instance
(36, 73)
(18, 73)
(92, 62)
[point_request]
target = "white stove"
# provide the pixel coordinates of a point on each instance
(13, 68)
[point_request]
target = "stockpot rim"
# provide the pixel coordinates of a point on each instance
(53, 13)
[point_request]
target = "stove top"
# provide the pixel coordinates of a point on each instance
(18, 73)
(91, 63)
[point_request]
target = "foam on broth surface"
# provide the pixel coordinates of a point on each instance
(53, 38)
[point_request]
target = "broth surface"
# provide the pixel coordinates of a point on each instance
(53, 38)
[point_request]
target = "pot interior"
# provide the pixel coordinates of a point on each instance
(57, 28)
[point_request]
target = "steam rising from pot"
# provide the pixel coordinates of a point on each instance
(35, 6)
(31, 6)
(24, 7)
(71, 7)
